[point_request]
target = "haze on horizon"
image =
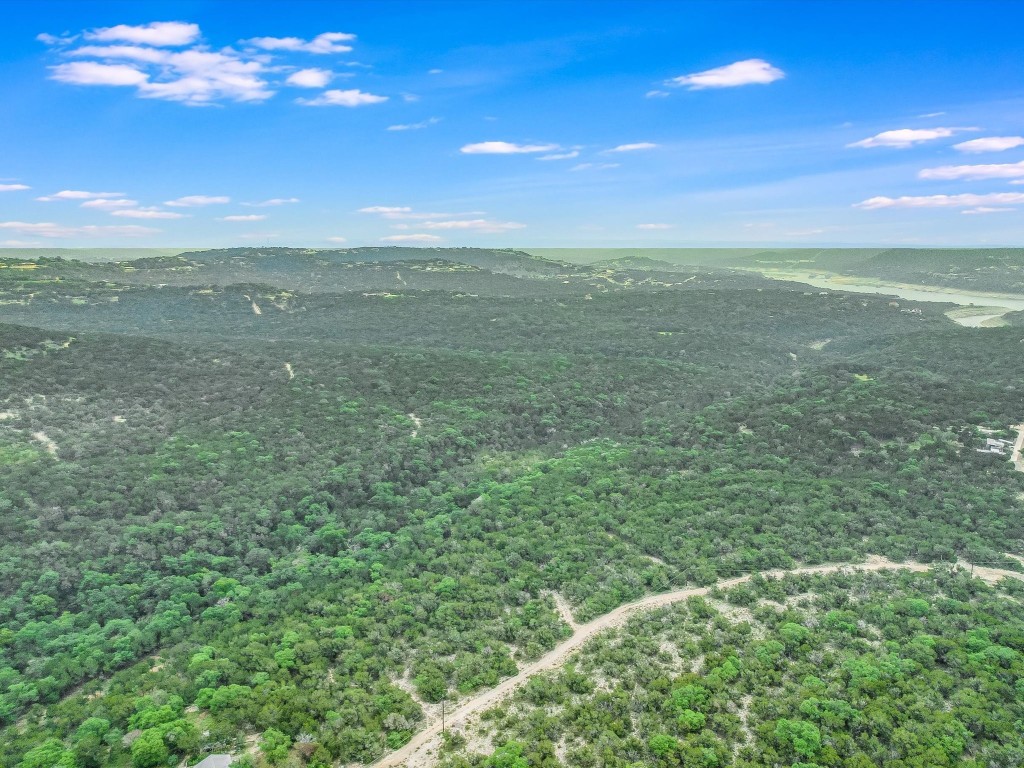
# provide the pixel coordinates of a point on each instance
(642, 124)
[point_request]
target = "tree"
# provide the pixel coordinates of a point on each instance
(275, 745)
(149, 750)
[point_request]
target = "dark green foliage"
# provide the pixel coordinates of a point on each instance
(221, 525)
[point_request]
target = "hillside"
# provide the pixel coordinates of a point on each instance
(300, 511)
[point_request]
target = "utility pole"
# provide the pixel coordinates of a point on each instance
(442, 716)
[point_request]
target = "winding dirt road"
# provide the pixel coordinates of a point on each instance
(420, 750)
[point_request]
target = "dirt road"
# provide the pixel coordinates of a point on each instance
(1017, 461)
(420, 750)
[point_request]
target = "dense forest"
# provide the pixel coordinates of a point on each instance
(277, 503)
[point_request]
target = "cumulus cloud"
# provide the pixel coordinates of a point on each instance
(310, 78)
(157, 33)
(633, 147)
(273, 202)
(52, 230)
(164, 60)
(476, 225)
(94, 73)
(415, 126)
(654, 226)
(505, 148)
(77, 194)
(193, 76)
(993, 199)
(13, 187)
(902, 138)
(746, 72)
(974, 172)
(561, 155)
(106, 203)
(326, 42)
(335, 98)
(990, 144)
(420, 238)
(147, 213)
(244, 217)
(192, 201)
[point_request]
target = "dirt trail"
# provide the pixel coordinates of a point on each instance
(563, 607)
(416, 420)
(422, 748)
(50, 446)
(1017, 462)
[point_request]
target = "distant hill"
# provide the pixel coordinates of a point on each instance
(476, 271)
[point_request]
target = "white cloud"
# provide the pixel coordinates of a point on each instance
(77, 194)
(158, 33)
(421, 238)
(335, 98)
(746, 72)
(990, 144)
(336, 240)
(94, 73)
(657, 94)
(385, 209)
(561, 155)
(202, 77)
(984, 209)
(248, 217)
(633, 147)
(13, 187)
(477, 225)
(194, 77)
(49, 229)
(106, 203)
(434, 71)
(404, 212)
(992, 171)
(415, 126)
(147, 213)
(47, 39)
(505, 148)
(902, 138)
(932, 114)
(327, 42)
(654, 226)
(130, 52)
(273, 201)
(310, 78)
(944, 201)
(593, 166)
(20, 243)
(191, 201)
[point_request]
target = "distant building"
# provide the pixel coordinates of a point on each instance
(997, 446)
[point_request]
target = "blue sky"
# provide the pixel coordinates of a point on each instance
(511, 124)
